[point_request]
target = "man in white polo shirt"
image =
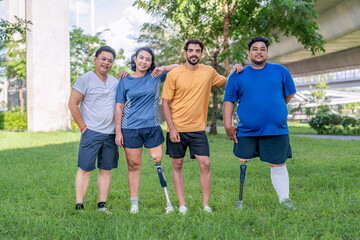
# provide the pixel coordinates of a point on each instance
(95, 91)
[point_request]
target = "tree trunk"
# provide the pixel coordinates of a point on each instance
(215, 92)
(227, 11)
(21, 96)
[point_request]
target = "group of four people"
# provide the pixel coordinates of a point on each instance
(125, 114)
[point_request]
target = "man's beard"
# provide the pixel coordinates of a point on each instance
(193, 63)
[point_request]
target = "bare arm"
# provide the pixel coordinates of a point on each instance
(75, 98)
(228, 109)
(288, 98)
(159, 70)
(119, 110)
(174, 135)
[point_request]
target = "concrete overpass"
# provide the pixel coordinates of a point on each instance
(339, 24)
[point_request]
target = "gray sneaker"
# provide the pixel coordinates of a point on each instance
(104, 210)
(287, 203)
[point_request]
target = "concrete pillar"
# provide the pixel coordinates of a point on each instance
(48, 65)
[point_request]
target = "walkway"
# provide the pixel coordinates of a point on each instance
(335, 137)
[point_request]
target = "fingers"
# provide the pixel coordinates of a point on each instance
(235, 138)
(175, 138)
(155, 73)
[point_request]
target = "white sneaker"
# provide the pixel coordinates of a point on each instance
(183, 209)
(134, 209)
(169, 209)
(207, 209)
(104, 209)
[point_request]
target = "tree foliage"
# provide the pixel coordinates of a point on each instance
(227, 25)
(82, 51)
(13, 60)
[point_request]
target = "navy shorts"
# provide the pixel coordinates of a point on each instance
(97, 145)
(149, 137)
(271, 149)
(197, 142)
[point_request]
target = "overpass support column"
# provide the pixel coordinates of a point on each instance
(48, 65)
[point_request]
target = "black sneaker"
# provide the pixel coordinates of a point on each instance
(79, 206)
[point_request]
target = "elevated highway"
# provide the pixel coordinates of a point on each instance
(339, 24)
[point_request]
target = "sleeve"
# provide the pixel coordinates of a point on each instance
(231, 90)
(169, 87)
(217, 79)
(80, 85)
(120, 92)
(288, 84)
(163, 76)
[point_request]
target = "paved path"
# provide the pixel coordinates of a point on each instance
(336, 137)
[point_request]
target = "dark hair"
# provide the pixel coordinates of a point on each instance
(147, 49)
(259, 39)
(105, 49)
(194, 41)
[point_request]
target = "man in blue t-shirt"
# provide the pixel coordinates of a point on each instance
(262, 91)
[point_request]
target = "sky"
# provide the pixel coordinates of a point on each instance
(123, 20)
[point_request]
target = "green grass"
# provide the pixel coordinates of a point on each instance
(37, 194)
(300, 128)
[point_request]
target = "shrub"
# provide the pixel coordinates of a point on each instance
(320, 122)
(13, 120)
(348, 122)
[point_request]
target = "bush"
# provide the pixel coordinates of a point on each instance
(13, 120)
(320, 122)
(348, 122)
(326, 123)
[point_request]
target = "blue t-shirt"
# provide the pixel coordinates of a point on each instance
(141, 98)
(261, 95)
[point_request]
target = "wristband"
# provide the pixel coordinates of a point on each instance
(83, 128)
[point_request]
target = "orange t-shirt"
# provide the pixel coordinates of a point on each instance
(189, 93)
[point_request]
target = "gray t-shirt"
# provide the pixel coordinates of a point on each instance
(98, 105)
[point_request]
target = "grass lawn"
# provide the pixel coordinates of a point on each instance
(37, 194)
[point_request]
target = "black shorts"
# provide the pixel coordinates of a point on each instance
(271, 149)
(197, 142)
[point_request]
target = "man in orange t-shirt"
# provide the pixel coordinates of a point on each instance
(186, 95)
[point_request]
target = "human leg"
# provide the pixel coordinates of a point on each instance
(134, 162)
(275, 150)
(81, 184)
(178, 179)
(205, 177)
(157, 153)
(103, 184)
(280, 180)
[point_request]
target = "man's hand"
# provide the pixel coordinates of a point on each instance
(119, 140)
(122, 74)
(231, 133)
(174, 136)
(83, 129)
(238, 68)
(158, 71)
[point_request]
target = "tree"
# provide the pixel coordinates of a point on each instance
(13, 39)
(227, 25)
(82, 51)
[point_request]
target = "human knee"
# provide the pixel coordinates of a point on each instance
(157, 157)
(83, 172)
(177, 164)
(134, 166)
(204, 164)
(104, 172)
